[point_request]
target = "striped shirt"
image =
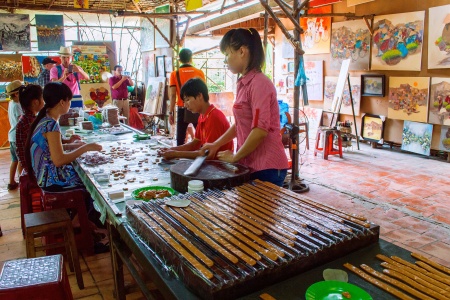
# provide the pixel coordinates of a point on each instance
(43, 78)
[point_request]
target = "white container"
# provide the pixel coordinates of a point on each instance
(195, 186)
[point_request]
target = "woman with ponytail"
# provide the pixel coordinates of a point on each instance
(256, 111)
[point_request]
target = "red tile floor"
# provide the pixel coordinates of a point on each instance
(406, 194)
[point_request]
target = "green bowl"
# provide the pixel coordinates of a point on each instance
(327, 290)
(136, 192)
(141, 136)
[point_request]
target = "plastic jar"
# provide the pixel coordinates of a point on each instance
(195, 186)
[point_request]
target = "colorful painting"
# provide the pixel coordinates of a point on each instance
(316, 37)
(50, 32)
(357, 2)
(416, 137)
(3, 95)
(154, 95)
(314, 116)
(11, 67)
(372, 128)
(15, 32)
(350, 39)
(439, 37)
(444, 141)
(397, 41)
(408, 98)
(32, 67)
(346, 106)
(96, 94)
(314, 82)
(93, 59)
(439, 104)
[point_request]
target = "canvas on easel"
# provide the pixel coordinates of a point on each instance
(339, 92)
(154, 96)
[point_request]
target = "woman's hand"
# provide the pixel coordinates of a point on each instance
(93, 147)
(227, 156)
(73, 138)
(168, 154)
(212, 147)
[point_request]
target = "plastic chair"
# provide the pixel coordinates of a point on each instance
(327, 135)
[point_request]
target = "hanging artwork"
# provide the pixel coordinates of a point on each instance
(50, 32)
(408, 98)
(316, 36)
(439, 104)
(96, 94)
(15, 32)
(32, 67)
(373, 85)
(356, 2)
(314, 116)
(314, 82)
(416, 137)
(164, 26)
(372, 128)
(346, 107)
(93, 59)
(154, 95)
(397, 41)
(444, 141)
(439, 37)
(81, 4)
(11, 67)
(350, 39)
(147, 35)
(3, 94)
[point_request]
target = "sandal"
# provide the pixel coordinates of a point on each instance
(12, 186)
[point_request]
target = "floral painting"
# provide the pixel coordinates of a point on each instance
(15, 32)
(50, 32)
(397, 41)
(350, 39)
(314, 116)
(316, 36)
(439, 104)
(417, 137)
(439, 37)
(408, 98)
(444, 141)
(346, 107)
(314, 82)
(11, 67)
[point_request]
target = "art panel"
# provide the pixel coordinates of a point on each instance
(408, 98)
(397, 42)
(15, 32)
(314, 82)
(439, 37)
(350, 39)
(316, 37)
(314, 116)
(416, 137)
(50, 32)
(3, 95)
(439, 103)
(154, 95)
(11, 67)
(32, 67)
(372, 128)
(96, 94)
(444, 140)
(346, 107)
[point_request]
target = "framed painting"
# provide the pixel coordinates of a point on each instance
(372, 128)
(444, 141)
(439, 37)
(373, 85)
(290, 81)
(50, 32)
(346, 106)
(11, 67)
(408, 98)
(291, 67)
(316, 37)
(160, 66)
(416, 137)
(397, 41)
(439, 103)
(16, 37)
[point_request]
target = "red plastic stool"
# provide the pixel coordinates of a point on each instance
(328, 135)
(30, 197)
(73, 199)
(35, 278)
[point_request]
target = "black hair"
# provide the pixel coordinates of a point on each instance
(193, 87)
(53, 93)
(236, 38)
(185, 55)
(117, 66)
(28, 93)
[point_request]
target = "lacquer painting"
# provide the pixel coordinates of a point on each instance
(314, 116)
(50, 32)
(15, 32)
(416, 137)
(317, 31)
(346, 106)
(314, 82)
(408, 98)
(439, 104)
(32, 67)
(397, 42)
(11, 67)
(372, 127)
(444, 141)
(439, 37)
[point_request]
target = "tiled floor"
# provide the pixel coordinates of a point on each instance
(407, 195)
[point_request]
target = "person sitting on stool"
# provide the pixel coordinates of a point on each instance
(119, 91)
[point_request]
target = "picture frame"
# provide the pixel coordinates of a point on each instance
(372, 128)
(291, 67)
(290, 80)
(373, 85)
(160, 66)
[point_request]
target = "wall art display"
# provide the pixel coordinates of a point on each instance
(50, 32)
(164, 26)
(373, 85)
(314, 116)
(356, 2)
(291, 67)
(147, 35)
(96, 94)
(15, 32)
(408, 98)
(439, 37)
(32, 67)
(397, 41)
(93, 59)
(346, 106)
(154, 95)
(439, 104)
(350, 39)
(416, 137)
(317, 31)
(11, 67)
(314, 82)
(372, 128)
(3, 95)
(444, 141)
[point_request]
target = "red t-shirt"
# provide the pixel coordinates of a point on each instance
(211, 126)
(186, 72)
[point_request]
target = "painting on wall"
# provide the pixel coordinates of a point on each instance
(154, 95)
(372, 128)
(439, 104)
(15, 32)
(317, 31)
(416, 137)
(96, 94)
(3, 94)
(397, 41)
(314, 116)
(444, 141)
(439, 37)
(350, 39)
(32, 67)
(408, 98)
(11, 67)
(50, 32)
(314, 82)
(346, 106)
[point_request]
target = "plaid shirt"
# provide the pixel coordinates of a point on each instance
(22, 129)
(44, 78)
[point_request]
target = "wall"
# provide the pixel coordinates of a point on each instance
(375, 105)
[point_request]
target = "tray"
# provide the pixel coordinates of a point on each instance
(136, 192)
(334, 289)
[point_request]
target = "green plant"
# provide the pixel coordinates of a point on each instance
(412, 46)
(391, 54)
